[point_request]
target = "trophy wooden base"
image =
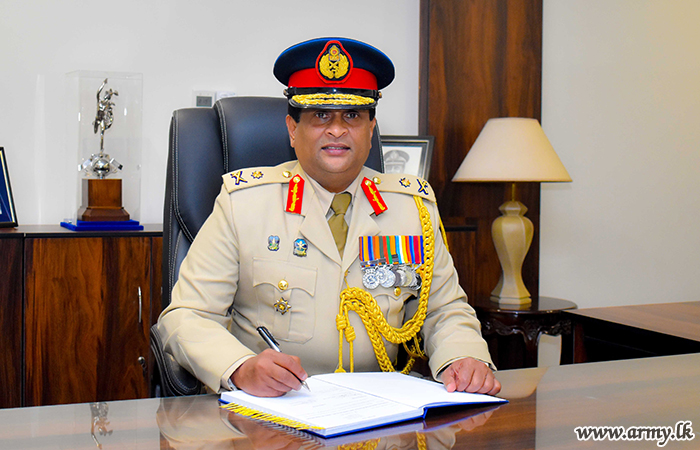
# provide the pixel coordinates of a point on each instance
(102, 201)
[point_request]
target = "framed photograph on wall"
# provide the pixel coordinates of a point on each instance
(407, 154)
(8, 217)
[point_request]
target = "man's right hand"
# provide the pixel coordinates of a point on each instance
(269, 374)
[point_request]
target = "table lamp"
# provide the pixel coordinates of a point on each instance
(511, 149)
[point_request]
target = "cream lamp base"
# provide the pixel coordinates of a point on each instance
(512, 235)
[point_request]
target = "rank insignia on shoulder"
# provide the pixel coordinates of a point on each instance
(295, 194)
(241, 179)
(373, 195)
(406, 184)
(423, 186)
(238, 177)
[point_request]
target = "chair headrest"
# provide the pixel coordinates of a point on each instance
(238, 132)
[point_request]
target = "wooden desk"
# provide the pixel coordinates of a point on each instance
(513, 331)
(546, 404)
(638, 331)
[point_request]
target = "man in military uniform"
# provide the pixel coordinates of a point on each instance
(340, 263)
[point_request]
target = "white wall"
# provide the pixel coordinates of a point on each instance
(178, 46)
(621, 106)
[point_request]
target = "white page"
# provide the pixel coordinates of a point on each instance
(412, 391)
(326, 406)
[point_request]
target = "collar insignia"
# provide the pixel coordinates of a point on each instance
(373, 195)
(295, 194)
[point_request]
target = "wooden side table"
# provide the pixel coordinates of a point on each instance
(513, 332)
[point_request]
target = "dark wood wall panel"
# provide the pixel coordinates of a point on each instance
(11, 322)
(461, 240)
(479, 59)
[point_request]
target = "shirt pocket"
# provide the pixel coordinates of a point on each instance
(391, 302)
(283, 283)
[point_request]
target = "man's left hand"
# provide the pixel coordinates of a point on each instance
(470, 375)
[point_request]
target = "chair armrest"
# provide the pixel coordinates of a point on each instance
(174, 379)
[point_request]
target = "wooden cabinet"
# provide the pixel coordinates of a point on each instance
(89, 302)
(11, 320)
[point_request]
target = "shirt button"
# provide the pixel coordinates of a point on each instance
(397, 291)
(283, 285)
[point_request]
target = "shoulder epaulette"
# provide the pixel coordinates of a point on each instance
(256, 176)
(404, 184)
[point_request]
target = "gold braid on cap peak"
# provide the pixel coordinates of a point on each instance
(362, 303)
(332, 99)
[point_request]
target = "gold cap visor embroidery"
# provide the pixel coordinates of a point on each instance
(327, 99)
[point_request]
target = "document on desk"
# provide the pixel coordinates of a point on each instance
(340, 403)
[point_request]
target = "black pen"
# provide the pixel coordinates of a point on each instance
(272, 343)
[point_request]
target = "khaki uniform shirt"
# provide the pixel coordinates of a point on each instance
(231, 279)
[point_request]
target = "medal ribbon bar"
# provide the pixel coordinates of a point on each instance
(391, 250)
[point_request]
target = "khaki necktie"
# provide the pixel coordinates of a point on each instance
(339, 227)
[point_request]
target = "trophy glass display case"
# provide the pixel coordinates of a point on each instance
(104, 132)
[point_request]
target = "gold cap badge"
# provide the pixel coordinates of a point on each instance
(334, 63)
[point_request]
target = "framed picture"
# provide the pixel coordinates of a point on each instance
(407, 154)
(8, 217)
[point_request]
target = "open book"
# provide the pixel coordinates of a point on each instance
(341, 403)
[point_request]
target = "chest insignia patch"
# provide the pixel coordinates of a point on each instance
(273, 243)
(300, 247)
(282, 306)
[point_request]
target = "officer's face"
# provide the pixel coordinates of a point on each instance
(332, 145)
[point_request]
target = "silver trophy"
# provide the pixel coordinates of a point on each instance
(102, 197)
(101, 165)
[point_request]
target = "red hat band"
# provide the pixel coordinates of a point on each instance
(358, 79)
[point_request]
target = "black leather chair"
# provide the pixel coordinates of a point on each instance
(206, 143)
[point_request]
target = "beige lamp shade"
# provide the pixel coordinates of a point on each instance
(512, 149)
